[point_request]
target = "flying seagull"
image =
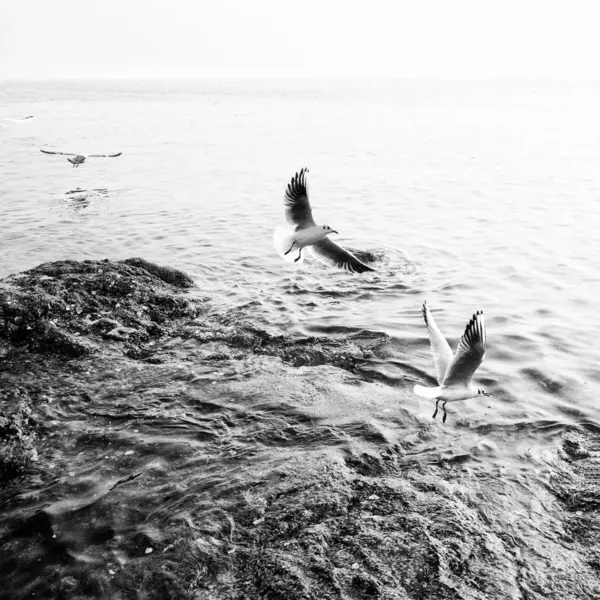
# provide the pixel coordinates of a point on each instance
(19, 120)
(304, 232)
(454, 371)
(81, 158)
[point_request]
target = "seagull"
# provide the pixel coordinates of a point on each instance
(454, 371)
(81, 158)
(19, 120)
(306, 233)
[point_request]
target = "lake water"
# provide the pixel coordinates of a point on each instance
(474, 196)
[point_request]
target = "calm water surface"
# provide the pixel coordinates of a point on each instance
(474, 195)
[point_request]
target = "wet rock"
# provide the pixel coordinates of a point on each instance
(166, 274)
(578, 488)
(381, 527)
(367, 256)
(575, 446)
(17, 433)
(68, 307)
(297, 351)
(190, 440)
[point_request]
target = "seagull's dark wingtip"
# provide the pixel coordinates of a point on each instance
(362, 268)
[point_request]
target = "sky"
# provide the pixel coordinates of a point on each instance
(49, 39)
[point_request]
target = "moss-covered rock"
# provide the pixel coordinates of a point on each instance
(68, 307)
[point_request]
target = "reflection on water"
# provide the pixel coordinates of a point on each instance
(81, 204)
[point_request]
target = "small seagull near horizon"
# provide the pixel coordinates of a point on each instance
(80, 158)
(454, 371)
(19, 120)
(307, 234)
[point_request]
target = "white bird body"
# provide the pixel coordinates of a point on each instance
(309, 236)
(303, 232)
(455, 371)
(448, 394)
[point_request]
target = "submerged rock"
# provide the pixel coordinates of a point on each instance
(72, 309)
(17, 433)
(168, 451)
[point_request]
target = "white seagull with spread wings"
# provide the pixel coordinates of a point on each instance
(454, 371)
(307, 234)
(81, 158)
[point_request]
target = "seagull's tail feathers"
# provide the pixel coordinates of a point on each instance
(427, 392)
(283, 241)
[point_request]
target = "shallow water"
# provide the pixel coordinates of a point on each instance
(474, 195)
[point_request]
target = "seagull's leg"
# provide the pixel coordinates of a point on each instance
(436, 409)
(445, 413)
(293, 244)
(299, 256)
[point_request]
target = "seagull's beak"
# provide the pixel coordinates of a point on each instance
(486, 394)
(334, 231)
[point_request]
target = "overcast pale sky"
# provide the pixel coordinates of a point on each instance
(43, 39)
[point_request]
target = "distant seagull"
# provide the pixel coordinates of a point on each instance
(306, 233)
(454, 372)
(81, 158)
(19, 120)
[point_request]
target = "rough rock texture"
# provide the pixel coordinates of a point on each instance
(388, 527)
(577, 485)
(68, 307)
(153, 447)
(17, 433)
(74, 309)
(166, 274)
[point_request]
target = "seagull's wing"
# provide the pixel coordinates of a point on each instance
(329, 253)
(104, 155)
(442, 353)
(297, 206)
(469, 354)
(63, 153)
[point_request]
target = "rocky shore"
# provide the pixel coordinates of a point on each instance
(154, 446)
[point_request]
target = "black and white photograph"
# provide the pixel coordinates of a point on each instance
(299, 301)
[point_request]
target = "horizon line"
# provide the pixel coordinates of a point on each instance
(305, 77)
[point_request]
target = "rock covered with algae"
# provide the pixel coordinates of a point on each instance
(67, 308)
(157, 449)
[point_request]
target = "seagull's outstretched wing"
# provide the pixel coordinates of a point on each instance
(297, 206)
(63, 153)
(442, 353)
(329, 253)
(469, 354)
(104, 155)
